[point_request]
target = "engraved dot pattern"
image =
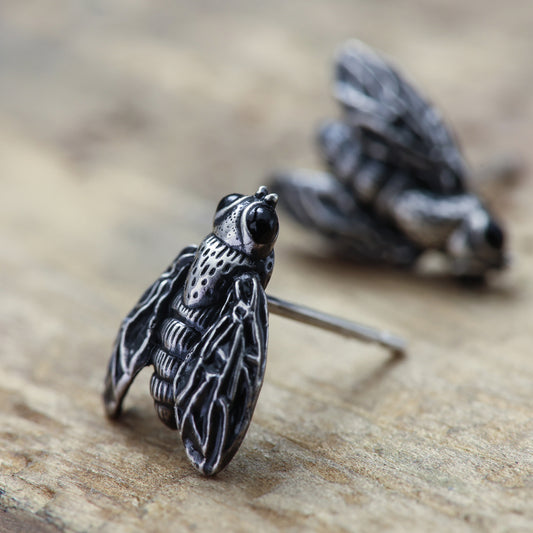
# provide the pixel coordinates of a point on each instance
(213, 261)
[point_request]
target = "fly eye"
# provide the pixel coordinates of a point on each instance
(228, 200)
(494, 236)
(262, 224)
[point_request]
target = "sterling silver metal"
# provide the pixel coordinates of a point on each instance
(396, 183)
(203, 326)
(337, 325)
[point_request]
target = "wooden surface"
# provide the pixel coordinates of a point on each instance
(121, 125)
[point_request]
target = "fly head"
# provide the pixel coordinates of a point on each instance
(248, 224)
(478, 245)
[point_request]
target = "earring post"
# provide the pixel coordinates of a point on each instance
(337, 325)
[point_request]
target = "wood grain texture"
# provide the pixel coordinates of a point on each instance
(121, 125)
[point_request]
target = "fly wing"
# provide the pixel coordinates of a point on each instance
(131, 351)
(319, 201)
(316, 200)
(390, 112)
(216, 388)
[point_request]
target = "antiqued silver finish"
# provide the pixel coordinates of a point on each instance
(396, 184)
(203, 325)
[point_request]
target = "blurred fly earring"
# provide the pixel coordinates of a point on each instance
(203, 325)
(396, 184)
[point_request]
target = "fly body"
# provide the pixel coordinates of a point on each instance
(203, 326)
(396, 183)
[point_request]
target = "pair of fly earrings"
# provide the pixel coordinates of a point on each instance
(395, 186)
(203, 326)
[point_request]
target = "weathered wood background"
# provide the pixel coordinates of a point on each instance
(121, 125)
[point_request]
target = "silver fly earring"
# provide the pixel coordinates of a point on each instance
(203, 325)
(396, 183)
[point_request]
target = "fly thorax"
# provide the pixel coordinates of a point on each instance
(211, 271)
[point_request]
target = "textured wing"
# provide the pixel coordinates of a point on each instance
(319, 201)
(389, 111)
(217, 387)
(131, 352)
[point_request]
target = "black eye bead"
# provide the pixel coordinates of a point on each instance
(494, 235)
(262, 224)
(228, 200)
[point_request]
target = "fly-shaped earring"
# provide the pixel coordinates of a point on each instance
(396, 184)
(203, 325)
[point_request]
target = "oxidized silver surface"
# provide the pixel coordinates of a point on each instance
(203, 325)
(396, 183)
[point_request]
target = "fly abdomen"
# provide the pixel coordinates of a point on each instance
(165, 365)
(177, 336)
(161, 391)
(176, 339)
